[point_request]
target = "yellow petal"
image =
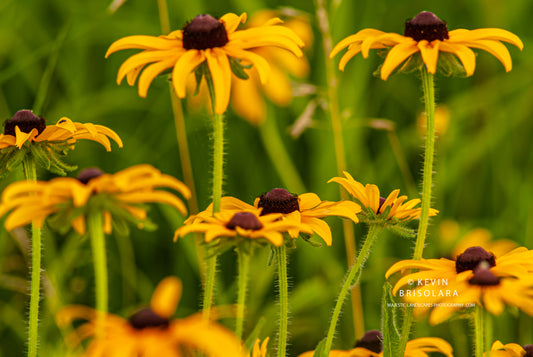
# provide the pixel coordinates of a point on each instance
(153, 196)
(321, 228)
(22, 137)
(354, 39)
(221, 74)
(232, 21)
(352, 51)
(260, 64)
(496, 49)
(465, 55)
(143, 42)
(486, 34)
(396, 56)
(166, 296)
(153, 71)
(185, 65)
(430, 54)
(247, 101)
(142, 59)
(308, 201)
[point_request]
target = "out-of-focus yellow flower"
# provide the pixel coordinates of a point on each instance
(498, 349)
(442, 121)
(247, 94)
(151, 331)
(69, 200)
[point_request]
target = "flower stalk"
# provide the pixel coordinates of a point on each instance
(350, 281)
(283, 300)
(30, 174)
(96, 233)
(244, 268)
(479, 330)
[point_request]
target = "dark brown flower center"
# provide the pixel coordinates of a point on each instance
(471, 258)
(426, 26)
(278, 200)
(204, 32)
(246, 220)
(529, 350)
(484, 277)
(146, 317)
(26, 121)
(88, 174)
(372, 341)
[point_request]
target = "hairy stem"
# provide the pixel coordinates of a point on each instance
(283, 300)
(96, 233)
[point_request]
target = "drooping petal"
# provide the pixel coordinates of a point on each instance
(185, 65)
(495, 34)
(144, 43)
(396, 56)
(430, 54)
(221, 74)
(260, 64)
(154, 196)
(153, 71)
(496, 49)
(465, 55)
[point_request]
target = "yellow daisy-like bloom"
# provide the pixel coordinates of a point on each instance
(27, 127)
(151, 332)
(117, 195)
(371, 345)
(481, 237)
(368, 196)
(498, 349)
(427, 35)
(203, 40)
(232, 223)
(476, 277)
(304, 212)
(247, 98)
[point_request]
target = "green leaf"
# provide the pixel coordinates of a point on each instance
(16, 159)
(391, 336)
(238, 69)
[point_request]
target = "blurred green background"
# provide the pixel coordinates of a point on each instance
(52, 60)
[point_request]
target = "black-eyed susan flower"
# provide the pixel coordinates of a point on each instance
(498, 349)
(247, 94)
(204, 40)
(371, 345)
(27, 133)
(151, 331)
(68, 200)
(375, 206)
(425, 38)
(475, 277)
(247, 224)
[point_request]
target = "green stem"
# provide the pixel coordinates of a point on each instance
(283, 300)
(340, 156)
(96, 233)
(244, 268)
(30, 174)
(218, 159)
(279, 157)
(479, 327)
(489, 331)
(351, 279)
(429, 100)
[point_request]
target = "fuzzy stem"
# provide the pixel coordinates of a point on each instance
(96, 233)
(479, 328)
(30, 174)
(429, 100)
(351, 279)
(279, 156)
(244, 269)
(489, 331)
(340, 158)
(283, 300)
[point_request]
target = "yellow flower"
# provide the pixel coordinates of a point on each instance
(476, 277)
(371, 345)
(427, 35)
(481, 237)
(303, 211)
(69, 199)
(27, 127)
(368, 196)
(150, 332)
(498, 349)
(247, 99)
(232, 223)
(203, 40)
